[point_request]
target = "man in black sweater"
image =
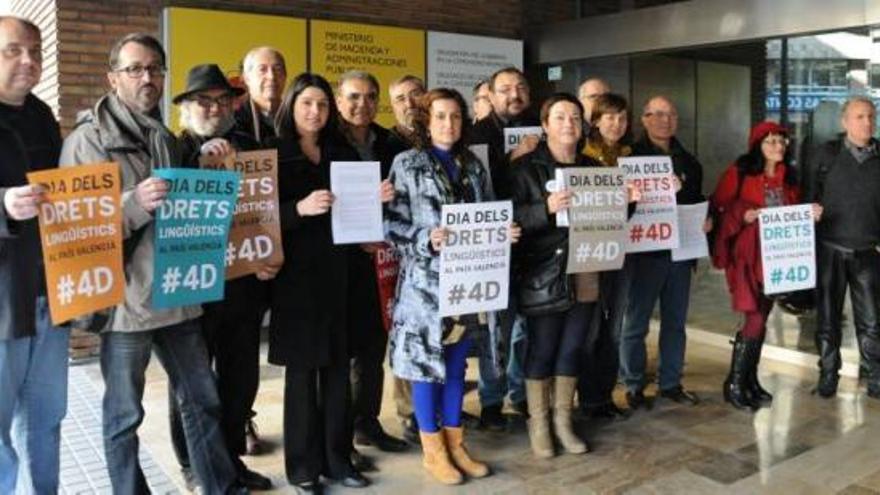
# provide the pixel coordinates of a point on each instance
(844, 179)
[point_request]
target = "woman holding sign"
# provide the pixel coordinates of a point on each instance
(761, 178)
(309, 331)
(428, 350)
(559, 307)
(608, 126)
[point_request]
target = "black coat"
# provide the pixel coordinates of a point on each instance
(541, 255)
(309, 296)
(490, 131)
(21, 266)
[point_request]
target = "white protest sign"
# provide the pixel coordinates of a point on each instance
(597, 217)
(692, 242)
(475, 261)
(788, 249)
(654, 225)
(514, 135)
(459, 61)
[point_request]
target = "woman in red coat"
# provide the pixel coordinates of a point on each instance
(761, 178)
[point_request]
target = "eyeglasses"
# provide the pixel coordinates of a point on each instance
(777, 141)
(207, 102)
(137, 71)
(662, 115)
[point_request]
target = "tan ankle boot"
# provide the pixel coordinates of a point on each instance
(461, 458)
(537, 397)
(436, 459)
(563, 395)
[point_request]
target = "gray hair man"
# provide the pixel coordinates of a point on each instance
(264, 72)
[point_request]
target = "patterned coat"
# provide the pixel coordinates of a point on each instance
(421, 187)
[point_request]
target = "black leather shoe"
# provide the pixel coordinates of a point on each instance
(521, 407)
(253, 480)
(310, 486)
(377, 437)
(492, 419)
(361, 462)
(827, 386)
(636, 400)
(680, 395)
(354, 480)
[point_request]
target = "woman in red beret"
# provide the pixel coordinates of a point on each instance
(761, 178)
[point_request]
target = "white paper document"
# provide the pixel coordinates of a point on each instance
(692, 242)
(356, 215)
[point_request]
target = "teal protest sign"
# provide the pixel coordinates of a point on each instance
(192, 228)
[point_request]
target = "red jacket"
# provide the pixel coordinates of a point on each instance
(737, 244)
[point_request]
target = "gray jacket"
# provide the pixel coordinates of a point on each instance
(110, 132)
(421, 189)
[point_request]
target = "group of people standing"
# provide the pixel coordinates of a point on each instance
(562, 337)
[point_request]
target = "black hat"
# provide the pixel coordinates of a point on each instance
(204, 77)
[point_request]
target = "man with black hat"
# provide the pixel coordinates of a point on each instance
(232, 326)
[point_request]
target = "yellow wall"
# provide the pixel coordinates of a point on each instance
(198, 36)
(386, 52)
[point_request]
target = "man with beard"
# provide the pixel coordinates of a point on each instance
(509, 95)
(33, 352)
(232, 326)
(357, 98)
(405, 93)
(265, 74)
(125, 127)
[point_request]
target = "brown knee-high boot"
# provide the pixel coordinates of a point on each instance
(538, 399)
(436, 459)
(461, 458)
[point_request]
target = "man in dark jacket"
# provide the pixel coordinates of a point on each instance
(232, 326)
(844, 179)
(509, 95)
(264, 73)
(357, 98)
(125, 127)
(654, 275)
(33, 353)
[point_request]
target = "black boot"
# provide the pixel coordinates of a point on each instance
(736, 392)
(759, 395)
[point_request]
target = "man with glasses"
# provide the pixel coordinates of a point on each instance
(510, 99)
(481, 103)
(654, 275)
(231, 327)
(33, 352)
(588, 91)
(357, 98)
(264, 73)
(125, 127)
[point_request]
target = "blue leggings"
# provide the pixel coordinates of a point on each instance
(440, 403)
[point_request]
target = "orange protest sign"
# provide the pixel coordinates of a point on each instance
(255, 236)
(81, 234)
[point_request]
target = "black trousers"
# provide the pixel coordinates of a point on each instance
(232, 334)
(556, 342)
(368, 377)
(317, 423)
(860, 270)
(601, 363)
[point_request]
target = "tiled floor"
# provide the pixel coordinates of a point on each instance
(802, 444)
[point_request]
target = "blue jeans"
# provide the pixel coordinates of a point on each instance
(654, 277)
(182, 352)
(33, 401)
(492, 386)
